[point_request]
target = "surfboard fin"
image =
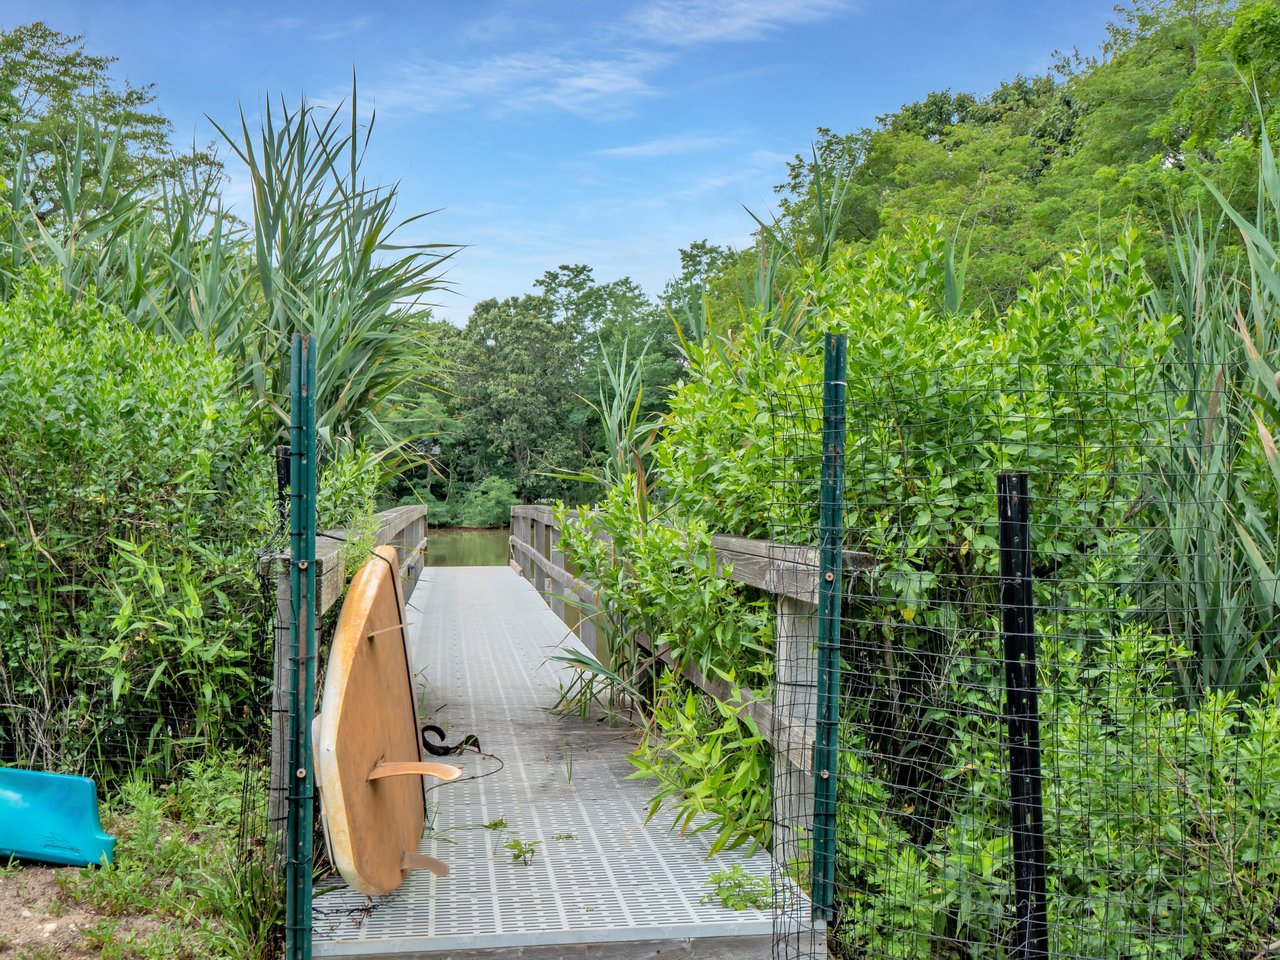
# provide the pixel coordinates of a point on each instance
(412, 860)
(407, 768)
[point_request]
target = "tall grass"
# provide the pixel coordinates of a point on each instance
(329, 258)
(1217, 507)
(324, 253)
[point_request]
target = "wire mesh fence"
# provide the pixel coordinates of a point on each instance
(165, 658)
(147, 657)
(1080, 762)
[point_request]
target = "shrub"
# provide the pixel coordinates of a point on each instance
(1162, 831)
(739, 451)
(488, 503)
(181, 856)
(131, 502)
(440, 513)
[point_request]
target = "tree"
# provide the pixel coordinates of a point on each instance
(603, 317)
(1094, 145)
(49, 85)
(1237, 59)
(514, 396)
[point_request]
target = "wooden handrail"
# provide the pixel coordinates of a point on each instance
(579, 588)
(541, 512)
(397, 526)
(782, 569)
(789, 572)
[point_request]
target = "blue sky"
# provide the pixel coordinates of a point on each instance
(610, 133)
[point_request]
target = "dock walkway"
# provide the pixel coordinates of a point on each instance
(601, 882)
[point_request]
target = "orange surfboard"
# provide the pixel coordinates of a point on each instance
(368, 762)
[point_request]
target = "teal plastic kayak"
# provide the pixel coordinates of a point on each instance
(52, 818)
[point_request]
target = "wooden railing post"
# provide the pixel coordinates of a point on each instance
(539, 543)
(526, 537)
(556, 597)
(795, 698)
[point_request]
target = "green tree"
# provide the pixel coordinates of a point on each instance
(1216, 109)
(513, 393)
(714, 283)
(50, 84)
(1097, 144)
(603, 317)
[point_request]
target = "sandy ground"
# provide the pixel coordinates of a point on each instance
(39, 921)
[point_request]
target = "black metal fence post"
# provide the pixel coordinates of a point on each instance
(1023, 718)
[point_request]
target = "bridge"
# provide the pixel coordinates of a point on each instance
(549, 849)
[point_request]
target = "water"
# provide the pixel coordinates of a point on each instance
(458, 547)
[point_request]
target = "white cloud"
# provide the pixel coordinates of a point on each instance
(516, 82)
(666, 146)
(594, 77)
(690, 22)
(341, 28)
(313, 30)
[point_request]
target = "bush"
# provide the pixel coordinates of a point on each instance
(1162, 831)
(488, 503)
(440, 513)
(131, 502)
(740, 448)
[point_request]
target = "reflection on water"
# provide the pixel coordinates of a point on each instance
(454, 547)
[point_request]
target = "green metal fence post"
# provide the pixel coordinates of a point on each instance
(302, 664)
(831, 552)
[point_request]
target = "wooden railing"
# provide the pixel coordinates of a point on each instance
(536, 552)
(404, 528)
(788, 574)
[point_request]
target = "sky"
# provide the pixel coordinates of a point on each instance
(548, 132)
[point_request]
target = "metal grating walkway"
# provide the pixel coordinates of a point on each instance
(601, 883)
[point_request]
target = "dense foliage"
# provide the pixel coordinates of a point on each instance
(1138, 390)
(1081, 382)
(132, 501)
(1027, 170)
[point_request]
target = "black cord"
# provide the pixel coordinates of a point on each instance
(474, 776)
(444, 749)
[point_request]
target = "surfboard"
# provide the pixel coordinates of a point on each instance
(369, 767)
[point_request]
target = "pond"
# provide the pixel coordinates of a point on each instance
(466, 547)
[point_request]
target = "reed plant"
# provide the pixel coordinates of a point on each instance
(324, 253)
(1216, 526)
(331, 260)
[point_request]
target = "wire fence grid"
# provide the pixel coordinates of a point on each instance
(1098, 779)
(167, 662)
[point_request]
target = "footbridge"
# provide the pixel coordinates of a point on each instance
(547, 841)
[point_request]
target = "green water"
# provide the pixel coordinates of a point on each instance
(457, 547)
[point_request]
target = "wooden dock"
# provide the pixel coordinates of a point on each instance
(600, 881)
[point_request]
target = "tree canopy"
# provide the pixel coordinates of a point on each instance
(51, 85)
(1028, 169)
